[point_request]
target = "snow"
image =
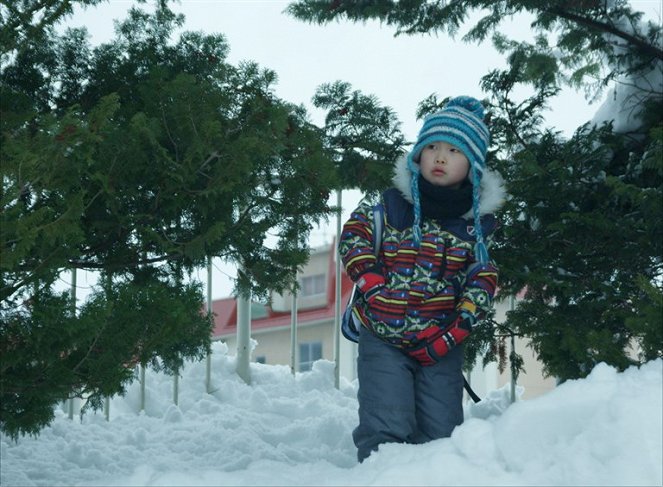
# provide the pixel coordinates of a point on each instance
(622, 104)
(296, 430)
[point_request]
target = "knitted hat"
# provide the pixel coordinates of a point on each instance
(459, 123)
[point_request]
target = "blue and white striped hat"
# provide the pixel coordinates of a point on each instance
(459, 123)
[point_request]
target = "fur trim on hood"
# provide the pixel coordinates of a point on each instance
(492, 192)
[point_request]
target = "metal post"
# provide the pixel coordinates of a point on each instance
(73, 290)
(176, 377)
(142, 387)
(176, 387)
(243, 334)
(293, 333)
(70, 403)
(108, 285)
(512, 305)
(337, 301)
(208, 364)
(73, 309)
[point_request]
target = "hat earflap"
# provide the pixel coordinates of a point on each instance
(480, 249)
(414, 185)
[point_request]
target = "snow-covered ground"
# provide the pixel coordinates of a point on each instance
(285, 430)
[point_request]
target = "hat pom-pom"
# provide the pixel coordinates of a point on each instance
(468, 103)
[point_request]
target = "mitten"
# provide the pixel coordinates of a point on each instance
(430, 345)
(370, 283)
(459, 330)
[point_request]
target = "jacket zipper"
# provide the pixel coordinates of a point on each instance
(447, 244)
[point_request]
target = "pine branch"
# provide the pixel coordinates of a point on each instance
(642, 45)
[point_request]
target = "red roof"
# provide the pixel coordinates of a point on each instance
(225, 309)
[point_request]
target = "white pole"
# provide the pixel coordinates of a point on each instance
(208, 365)
(293, 333)
(176, 377)
(142, 387)
(512, 303)
(73, 307)
(176, 387)
(243, 335)
(109, 282)
(337, 302)
(71, 407)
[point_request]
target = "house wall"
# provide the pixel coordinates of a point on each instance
(317, 265)
(274, 344)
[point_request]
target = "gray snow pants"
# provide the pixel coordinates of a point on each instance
(402, 401)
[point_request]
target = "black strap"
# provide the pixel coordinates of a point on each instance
(469, 391)
(400, 213)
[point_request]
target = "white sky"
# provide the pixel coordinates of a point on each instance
(400, 71)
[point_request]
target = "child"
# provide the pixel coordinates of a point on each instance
(431, 282)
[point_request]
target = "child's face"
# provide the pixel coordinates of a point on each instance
(443, 164)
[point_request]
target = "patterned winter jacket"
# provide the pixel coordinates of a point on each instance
(423, 285)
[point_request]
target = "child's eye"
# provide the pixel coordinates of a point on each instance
(430, 146)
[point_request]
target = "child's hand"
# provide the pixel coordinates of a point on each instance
(370, 284)
(430, 345)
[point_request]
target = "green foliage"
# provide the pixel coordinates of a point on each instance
(645, 323)
(580, 243)
(49, 353)
(584, 32)
(166, 153)
(138, 159)
(582, 227)
(24, 20)
(363, 136)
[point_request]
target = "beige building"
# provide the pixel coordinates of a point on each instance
(271, 328)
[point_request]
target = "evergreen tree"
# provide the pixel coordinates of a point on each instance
(138, 159)
(583, 234)
(363, 136)
(23, 20)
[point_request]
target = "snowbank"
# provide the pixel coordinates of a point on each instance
(285, 430)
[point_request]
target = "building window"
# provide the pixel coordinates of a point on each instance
(309, 353)
(312, 285)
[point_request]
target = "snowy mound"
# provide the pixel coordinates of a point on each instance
(285, 430)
